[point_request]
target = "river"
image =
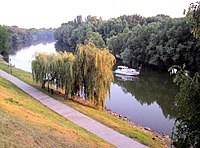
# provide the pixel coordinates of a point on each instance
(147, 100)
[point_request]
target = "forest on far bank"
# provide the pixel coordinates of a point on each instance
(13, 38)
(158, 41)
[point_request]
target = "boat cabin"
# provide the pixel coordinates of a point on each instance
(122, 67)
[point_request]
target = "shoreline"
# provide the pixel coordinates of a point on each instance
(164, 137)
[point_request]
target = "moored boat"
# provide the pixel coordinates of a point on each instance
(127, 71)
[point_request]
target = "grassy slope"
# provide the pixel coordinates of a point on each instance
(115, 123)
(25, 122)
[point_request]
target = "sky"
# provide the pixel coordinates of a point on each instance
(52, 13)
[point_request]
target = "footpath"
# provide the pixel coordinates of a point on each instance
(74, 116)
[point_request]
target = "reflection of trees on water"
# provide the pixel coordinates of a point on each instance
(63, 47)
(153, 87)
(13, 48)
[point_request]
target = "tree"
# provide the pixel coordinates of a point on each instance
(117, 44)
(187, 133)
(3, 39)
(137, 44)
(194, 15)
(95, 72)
(20, 37)
(88, 71)
(158, 41)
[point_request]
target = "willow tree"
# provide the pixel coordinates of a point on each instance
(69, 73)
(43, 68)
(88, 71)
(94, 72)
(51, 68)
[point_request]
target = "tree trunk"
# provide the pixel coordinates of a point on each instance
(43, 84)
(48, 85)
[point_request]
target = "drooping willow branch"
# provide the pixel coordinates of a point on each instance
(88, 71)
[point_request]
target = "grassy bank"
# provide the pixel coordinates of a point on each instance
(25, 122)
(117, 124)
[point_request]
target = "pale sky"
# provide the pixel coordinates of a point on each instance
(52, 13)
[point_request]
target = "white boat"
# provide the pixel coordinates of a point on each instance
(127, 71)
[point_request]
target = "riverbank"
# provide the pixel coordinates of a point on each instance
(25, 122)
(163, 137)
(117, 124)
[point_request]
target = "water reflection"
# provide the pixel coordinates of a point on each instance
(154, 87)
(125, 78)
(63, 47)
(22, 58)
(13, 48)
(148, 99)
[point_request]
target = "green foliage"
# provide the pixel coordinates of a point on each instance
(3, 39)
(88, 72)
(194, 15)
(162, 44)
(158, 41)
(117, 44)
(19, 37)
(187, 133)
(73, 33)
(137, 44)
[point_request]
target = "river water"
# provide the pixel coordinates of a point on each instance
(147, 100)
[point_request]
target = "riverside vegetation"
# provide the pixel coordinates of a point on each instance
(158, 41)
(187, 133)
(89, 72)
(117, 124)
(13, 38)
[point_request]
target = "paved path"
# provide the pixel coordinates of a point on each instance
(76, 117)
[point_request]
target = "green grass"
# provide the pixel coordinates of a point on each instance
(20, 74)
(24, 122)
(117, 124)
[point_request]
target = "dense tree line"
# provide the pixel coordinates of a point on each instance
(20, 37)
(13, 38)
(158, 41)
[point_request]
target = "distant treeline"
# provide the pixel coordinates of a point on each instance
(158, 41)
(20, 37)
(13, 37)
